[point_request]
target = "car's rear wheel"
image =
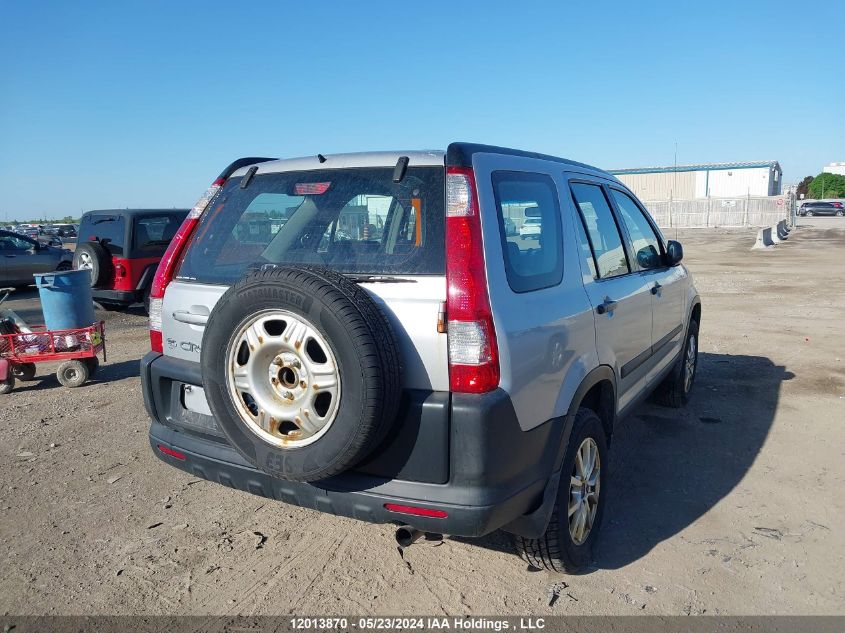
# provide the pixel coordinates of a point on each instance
(301, 371)
(675, 389)
(840, 213)
(567, 544)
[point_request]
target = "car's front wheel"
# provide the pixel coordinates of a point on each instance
(809, 214)
(567, 544)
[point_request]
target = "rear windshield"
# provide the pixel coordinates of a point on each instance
(106, 229)
(352, 220)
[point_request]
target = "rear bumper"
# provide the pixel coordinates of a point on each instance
(126, 297)
(497, 474)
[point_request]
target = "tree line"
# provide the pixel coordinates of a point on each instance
(68, 219)
(822, 186)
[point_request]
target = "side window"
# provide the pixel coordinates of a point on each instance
(153, 232)
(605, 240)
(529, 223)
(15, 243)
(643, 238)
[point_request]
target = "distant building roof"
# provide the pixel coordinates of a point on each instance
(701, 167)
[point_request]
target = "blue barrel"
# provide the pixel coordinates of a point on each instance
(66, 299)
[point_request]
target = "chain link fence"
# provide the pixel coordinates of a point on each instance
(749, 211)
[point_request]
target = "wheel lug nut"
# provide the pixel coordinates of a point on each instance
(288, 395)
(295, 363)
(278, 360)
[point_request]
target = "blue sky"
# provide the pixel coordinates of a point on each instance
(123, 104)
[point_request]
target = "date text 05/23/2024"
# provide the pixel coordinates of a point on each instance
(418, 623)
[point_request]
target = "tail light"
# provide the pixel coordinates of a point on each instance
(473, 354)
(167, 266)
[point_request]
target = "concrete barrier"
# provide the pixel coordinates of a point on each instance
(764, 239)
(782, 230)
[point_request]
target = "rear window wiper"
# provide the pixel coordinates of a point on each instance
(378, 279)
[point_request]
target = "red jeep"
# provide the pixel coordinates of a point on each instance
(122, 248)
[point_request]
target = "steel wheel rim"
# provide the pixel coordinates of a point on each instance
(584, 485)
(283, 378)
(85, 261)
(689, 363)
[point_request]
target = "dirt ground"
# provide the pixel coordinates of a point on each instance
(732, 506)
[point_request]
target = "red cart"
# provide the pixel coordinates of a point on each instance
(77, 350)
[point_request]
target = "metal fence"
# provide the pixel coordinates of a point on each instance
(748, 211)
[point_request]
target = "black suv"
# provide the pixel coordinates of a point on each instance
(822, 208)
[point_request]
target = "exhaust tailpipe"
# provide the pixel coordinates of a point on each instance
(407, 536)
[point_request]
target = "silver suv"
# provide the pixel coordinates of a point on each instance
(365, 335)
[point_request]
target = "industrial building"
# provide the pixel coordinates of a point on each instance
(716, 180)
(834, 168)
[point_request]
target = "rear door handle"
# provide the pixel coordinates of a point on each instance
(655, 288)
(183, 316)
(608, 305)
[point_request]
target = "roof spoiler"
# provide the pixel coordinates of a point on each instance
(242, 162)
(460, 155)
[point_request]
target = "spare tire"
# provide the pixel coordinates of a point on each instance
(301, 371)
(94, 257)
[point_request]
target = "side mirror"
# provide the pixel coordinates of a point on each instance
(648, 257)
(674, 252)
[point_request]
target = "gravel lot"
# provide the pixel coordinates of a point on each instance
(732, 506)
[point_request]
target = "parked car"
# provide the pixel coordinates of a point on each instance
(122, 248)
(60, 230)
(346, 377)
(822, 208)
(28, 231)
(21, 257)
(531, 228)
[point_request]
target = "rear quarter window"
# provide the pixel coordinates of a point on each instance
(534, 255)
